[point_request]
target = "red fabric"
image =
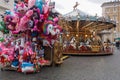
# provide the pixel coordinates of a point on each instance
(25, 56)
(26, 1)
(71, 47)
(83, 48)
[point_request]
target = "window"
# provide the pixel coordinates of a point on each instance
(115, 17)
(114, 9)
(6, 1)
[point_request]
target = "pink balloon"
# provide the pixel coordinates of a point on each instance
(15, 19)
(29, 13)
(31, 3)
(11, 27)
(24, 20)
(11, 51)
(10, 58)
(35, 27)
(59, 27)
(15, 32)
(41, 16)
(55, 19)
(30, 51)
(45, 9)
(28, 43)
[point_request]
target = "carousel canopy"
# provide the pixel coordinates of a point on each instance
(88, 22)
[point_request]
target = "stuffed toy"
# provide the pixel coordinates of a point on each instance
(27, 67)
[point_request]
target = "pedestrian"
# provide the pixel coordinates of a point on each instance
(117, 44)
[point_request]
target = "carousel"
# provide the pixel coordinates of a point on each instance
(81, 34)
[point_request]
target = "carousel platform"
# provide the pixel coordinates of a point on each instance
(90, 51)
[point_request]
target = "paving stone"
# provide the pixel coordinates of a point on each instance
(75, 68)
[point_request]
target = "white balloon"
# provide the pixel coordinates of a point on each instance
(51, 30)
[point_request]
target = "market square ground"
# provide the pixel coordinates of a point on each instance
(75, 68)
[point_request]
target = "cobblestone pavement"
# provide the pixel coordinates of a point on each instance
(75, 68)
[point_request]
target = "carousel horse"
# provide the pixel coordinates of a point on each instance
(65, 45)
(88, 44)
(75, 6)
(73, 43)
(82, 47)
(85, 46)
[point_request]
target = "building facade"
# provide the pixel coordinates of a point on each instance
(5, 5)
(111, 10)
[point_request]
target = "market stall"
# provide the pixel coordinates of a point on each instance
(81, 34)
(30, 31)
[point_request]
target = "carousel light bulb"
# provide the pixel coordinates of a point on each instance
(86, 35)
(91, 35)
(76, 35)
(67, 35)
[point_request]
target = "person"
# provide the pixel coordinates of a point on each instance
(117, 44)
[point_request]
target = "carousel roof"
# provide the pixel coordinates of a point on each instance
(87, 21)
(75, 12)
(78, 14)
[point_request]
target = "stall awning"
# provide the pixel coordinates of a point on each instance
(117, 38)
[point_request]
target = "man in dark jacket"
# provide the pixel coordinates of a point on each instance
(117, 44)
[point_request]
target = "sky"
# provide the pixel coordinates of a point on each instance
(91, 7)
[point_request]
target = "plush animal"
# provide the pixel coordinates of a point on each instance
(21, 7)
(27, 67)
(24, 20)
(11, 22)
(31, 3)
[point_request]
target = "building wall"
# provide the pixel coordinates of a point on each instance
(112, 10)
(5, 6)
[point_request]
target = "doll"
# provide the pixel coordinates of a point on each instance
(36, 66)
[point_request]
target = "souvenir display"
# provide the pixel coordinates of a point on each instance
(28, 26)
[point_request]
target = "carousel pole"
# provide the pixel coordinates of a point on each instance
(77, 25)
(78, 17)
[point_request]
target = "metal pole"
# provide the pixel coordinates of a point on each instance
(51, 55)
(115, 19)
(118, 21)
